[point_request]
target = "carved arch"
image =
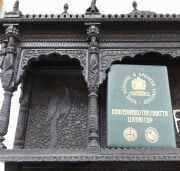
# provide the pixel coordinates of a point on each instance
(30, 55)
(107, 57)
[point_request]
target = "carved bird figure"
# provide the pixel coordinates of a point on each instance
(58, 109)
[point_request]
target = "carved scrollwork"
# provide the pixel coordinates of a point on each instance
(107, 57)
(30, 54)
(173, 52)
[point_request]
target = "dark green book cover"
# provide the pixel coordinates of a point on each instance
(139, 111)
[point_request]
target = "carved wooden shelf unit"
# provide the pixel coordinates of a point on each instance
(61, 62)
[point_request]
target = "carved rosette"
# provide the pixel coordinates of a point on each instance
(93, 85)
(8, 65)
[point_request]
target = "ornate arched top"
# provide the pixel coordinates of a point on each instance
(108, 57)
(30, 55)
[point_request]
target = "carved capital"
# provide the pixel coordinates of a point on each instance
(12, 30)
(7, 63)
(93, 30)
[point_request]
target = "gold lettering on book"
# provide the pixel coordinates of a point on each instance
(140, 119)
(140, 116)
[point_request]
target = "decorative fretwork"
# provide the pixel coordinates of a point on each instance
(29, 55)
(107, 57)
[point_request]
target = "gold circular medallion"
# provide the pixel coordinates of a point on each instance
(151, 135)
(130, 134)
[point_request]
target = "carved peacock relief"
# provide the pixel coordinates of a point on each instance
(58, 109)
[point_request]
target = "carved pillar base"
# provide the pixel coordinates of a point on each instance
(4, 116)
(93, 145)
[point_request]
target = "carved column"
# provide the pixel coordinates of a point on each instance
(93, 87)
(23, 112)
(7, 81)
(4, 116)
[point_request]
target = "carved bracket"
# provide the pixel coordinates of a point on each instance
(29, 55)
(107, 57)
(8, 57)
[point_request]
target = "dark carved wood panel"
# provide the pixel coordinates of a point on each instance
(58, 111)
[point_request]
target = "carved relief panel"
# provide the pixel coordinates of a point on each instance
(58, 111)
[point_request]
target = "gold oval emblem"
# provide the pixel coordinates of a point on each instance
(151, 135)
(130, 134)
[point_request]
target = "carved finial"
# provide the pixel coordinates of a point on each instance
(66, 6)
(92, 9)
(15, 12)
(135, 5)
(16, 6)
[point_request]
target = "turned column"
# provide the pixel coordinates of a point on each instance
(26, 86)
(4, 116)
(93, 86)
(21, 126)
(93, 120)
(7, 66)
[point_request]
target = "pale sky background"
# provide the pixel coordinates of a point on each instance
(77, 7)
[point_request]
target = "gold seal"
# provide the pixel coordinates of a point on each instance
(139, 88)
(130, 134)
(151, 135)
(138, 84)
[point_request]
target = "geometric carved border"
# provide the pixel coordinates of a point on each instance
(170, 154)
